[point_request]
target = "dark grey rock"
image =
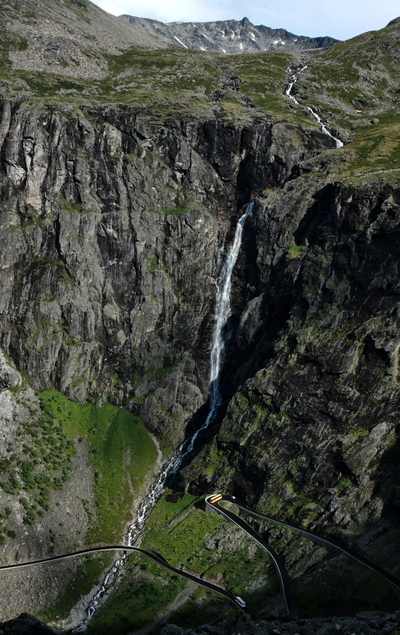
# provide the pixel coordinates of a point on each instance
(318, 626)
(27, 624)
(9, 377)
(111, 228)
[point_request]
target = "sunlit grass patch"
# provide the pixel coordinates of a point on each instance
(122, 454)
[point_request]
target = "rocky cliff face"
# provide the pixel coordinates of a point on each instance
(323, 327)
(311, 433)
(110, 231)
(114, 220)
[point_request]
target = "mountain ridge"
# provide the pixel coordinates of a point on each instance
(227, 36)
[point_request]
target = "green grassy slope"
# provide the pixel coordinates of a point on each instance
(122, 456)
(122, 453)
(199, 542)
(355, 87)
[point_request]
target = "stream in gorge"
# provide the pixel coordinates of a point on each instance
(171, 467)
(222, 313)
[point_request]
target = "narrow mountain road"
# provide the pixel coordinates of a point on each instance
(325, 542)
(281, 570)
(213, 501)
(158, 559)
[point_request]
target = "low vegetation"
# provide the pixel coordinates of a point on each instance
(41, 463)
(199, 542)
(144, 591)
(89, 572)
(122, 454)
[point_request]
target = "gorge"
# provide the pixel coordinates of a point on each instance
(171, 467)
(126, 165)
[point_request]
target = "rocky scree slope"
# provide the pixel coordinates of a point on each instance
(70, 37)
(227, 36)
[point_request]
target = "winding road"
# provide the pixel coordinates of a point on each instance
(213, 502)
(156, 558)
(281, 570)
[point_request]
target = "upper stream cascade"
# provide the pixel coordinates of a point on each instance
(222, 313)
(294, 77)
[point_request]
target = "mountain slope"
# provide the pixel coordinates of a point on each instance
(70, 37)
(119, 196)
(355, 86)
(227, 36)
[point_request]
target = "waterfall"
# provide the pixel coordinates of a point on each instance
(288, 92)
(222, 313)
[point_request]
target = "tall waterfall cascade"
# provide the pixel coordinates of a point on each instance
(288, 92)
(222, 313)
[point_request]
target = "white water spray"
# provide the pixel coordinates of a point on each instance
(95, 602)
(288, 92)
(222, 313)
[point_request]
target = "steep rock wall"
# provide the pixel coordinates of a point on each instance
(311, 432)
(111, 221)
